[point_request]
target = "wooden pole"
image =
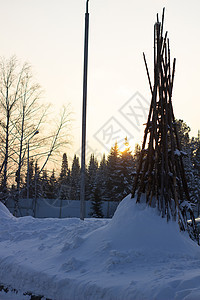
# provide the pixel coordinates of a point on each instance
(160, 174)
(85, 71)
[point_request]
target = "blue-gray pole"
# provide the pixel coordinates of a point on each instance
(85, 70)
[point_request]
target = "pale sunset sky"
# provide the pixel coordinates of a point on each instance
(49, 34)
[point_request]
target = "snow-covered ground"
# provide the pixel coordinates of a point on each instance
(135, 255)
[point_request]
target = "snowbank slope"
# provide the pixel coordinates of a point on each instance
(139, 227)
(136, 255)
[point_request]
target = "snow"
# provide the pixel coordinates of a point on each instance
(134, 255)
(177, 152)
(4, 212)
(12, 295)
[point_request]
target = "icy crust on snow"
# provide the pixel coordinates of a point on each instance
(136, 255)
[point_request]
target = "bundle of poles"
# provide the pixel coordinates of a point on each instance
(160, 174)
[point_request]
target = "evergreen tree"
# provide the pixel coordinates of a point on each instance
(75, 179)
(197, 158)
(51, 194)
(96, 205)
(136, 155)
(64, 168)
(64, 178)
(91, 177)
(195, 144)
(44, 184)
(196, 154)
(102, 179)
(183, 133)
(190, 157)
(114, 180)
(126, 170)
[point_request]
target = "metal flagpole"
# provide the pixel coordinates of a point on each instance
(82, 187)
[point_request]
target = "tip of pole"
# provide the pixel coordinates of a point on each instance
(163, 14)
(87, 6)
(157, 18)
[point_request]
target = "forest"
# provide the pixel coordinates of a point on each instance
(111, 179)
(27, 144)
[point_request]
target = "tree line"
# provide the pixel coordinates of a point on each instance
(24, 154)
(108, 180)
(112, 178)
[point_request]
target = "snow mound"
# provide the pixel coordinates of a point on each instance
(138, 227)
(135, 255)
(4, 212)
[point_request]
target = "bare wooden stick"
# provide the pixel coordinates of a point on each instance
(148, 73)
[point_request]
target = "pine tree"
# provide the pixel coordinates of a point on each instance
(114, 180)
(75, 179)
(96, 205)
(51, 194)
(196, 153)
(126, 170)
(44, 184)
(64, 167)
(195, 143)
(63, 181)
(197, 157)
(136, 155)
(91, 177)
(102, 179)
(93, 188)
(187, 154)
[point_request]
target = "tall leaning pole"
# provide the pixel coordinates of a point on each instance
(85, 71)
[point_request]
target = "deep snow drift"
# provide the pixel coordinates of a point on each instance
(135, 255)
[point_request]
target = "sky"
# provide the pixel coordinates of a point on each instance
(49, 34)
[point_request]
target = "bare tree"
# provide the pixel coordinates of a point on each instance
(21, 114)
(56, 141)
(9, 96)
(30, 115)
